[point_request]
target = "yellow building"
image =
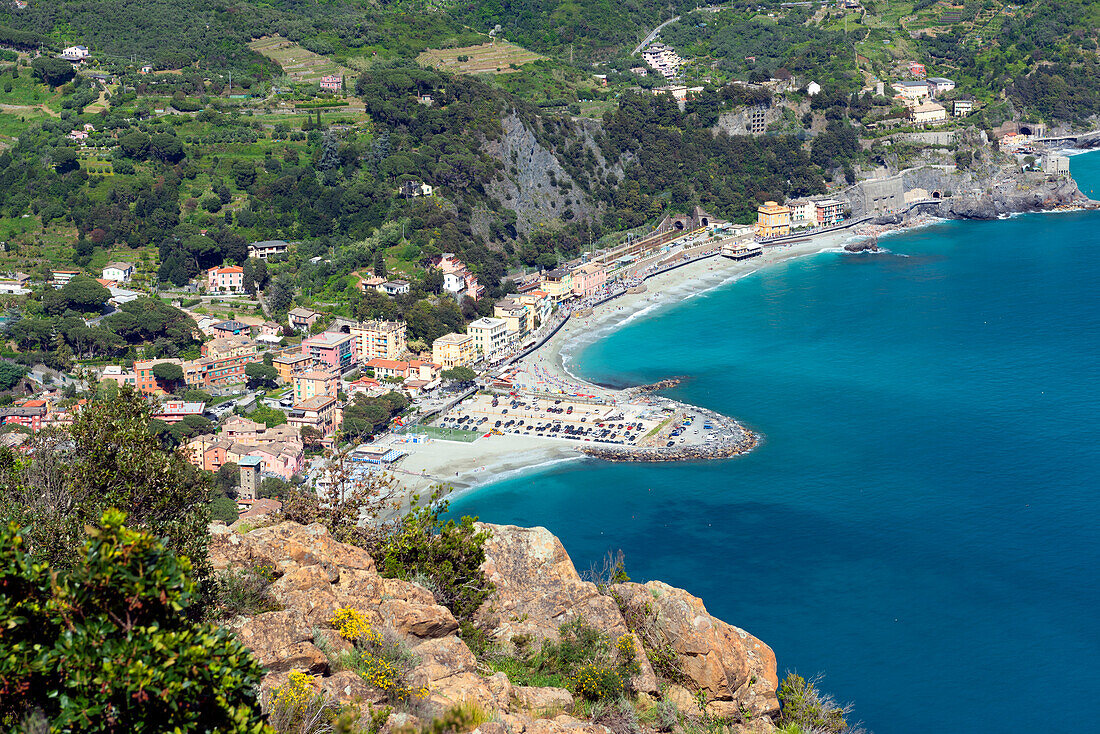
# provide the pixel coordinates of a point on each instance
(516, 315)
(558, 284)
(454, 350)
(928, 113)
(772, 219)
(379, 340)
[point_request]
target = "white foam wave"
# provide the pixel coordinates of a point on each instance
(480, 479)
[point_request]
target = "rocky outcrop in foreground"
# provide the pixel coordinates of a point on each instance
(719, 670)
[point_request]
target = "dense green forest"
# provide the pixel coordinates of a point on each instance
(751, 46)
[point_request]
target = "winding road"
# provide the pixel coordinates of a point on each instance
(652, 34)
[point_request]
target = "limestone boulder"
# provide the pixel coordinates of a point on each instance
(563, 724)
(684, 700)
(492, 694)
(722, 661)
(346, 687)
(330, 641)
(542, 699)
(443, 657)
(416, 619)
(645, 680)
(406, 591)
(361, 589)
(288, 545)
(537, 588)
(272, 635)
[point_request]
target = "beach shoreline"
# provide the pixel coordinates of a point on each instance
(465, 467)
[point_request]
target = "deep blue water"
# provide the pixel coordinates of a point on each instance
(921, 522)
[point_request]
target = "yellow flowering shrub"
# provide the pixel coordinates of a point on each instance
(353, 626)
(294, 702)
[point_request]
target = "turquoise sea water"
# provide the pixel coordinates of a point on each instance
(922, 522)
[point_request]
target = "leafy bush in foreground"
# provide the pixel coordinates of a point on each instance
(807, 709)
(107, 646)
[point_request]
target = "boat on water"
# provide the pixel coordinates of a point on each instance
(742, 250)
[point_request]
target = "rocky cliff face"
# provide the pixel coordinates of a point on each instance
(718, 671)
(1042, 196)
(533, 183)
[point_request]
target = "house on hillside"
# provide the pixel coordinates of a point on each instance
(928, 113)
(76, 54)
(394, 287)
(939, 85)
(119, 272)
(267, 248)
(332, 82)
(413, 189)
(457, 278)
(62, 277)
(302, 318)
(229, 279)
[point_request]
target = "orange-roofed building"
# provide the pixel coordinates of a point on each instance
(230, 279)
(772, 219)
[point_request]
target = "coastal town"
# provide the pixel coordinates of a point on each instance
(272, 399)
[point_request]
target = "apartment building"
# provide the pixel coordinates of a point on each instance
(454, 350)
(313, 383)
(588, 279)
(515, 314)
(332, 351)
(226, 358)
(321, 413)
(288, 365)
(229, 279)
(558, 284)
(379, 339)
(490, 335)
(772, 219)
(828, 211)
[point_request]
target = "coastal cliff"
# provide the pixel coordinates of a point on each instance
(1042, 196)
(683, 660)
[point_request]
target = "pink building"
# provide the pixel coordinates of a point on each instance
(457, 278)
(588, 278)
(332, 351)
(332, 82)
(225, 279)
(829, 211)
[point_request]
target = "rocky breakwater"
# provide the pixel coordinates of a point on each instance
(704, 666)
(727, 439)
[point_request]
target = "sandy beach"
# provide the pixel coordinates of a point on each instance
(465, 466)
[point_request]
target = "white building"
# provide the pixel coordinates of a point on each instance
(76, 53)
(911, 91)
(963, 107)
(939, 85)
(267, 248)
(490, 335)
(118, 271)
(813, 88)
(663, 59)
(803, 213)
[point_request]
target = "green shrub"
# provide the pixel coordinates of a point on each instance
(107, 646)
(244, 591)
(805, 707)
(448, 553)
(223, 509)
(585, 660)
